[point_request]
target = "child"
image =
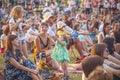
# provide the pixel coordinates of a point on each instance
(3, 38)
(60, 54)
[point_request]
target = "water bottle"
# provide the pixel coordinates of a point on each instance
(42, 61)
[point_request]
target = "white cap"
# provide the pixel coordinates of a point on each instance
(60, 24)
(46, 16)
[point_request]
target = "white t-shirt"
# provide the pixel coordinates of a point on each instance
(118, 6)
(88, 4)
(29, 37)
(67, 28)
(3, 37)
(110, 64)
(107, 5)
(12, 21)
(51, 31)
(33, 30)
(101, 28)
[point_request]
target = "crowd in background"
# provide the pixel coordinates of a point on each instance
(51, 28)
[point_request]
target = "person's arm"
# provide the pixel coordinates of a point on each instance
(112, 70)
(32, 33)
(37, 43)
(23, 57)
(100, 38)
(117, 49)
(96, 31)
(50, 43)
(3, 43)
(17, 65)
(56, 39)
(60, 42)
(113, 59)
(67, 28)
(116, 66)
(83, 33)
(117, 55)
(14, 26)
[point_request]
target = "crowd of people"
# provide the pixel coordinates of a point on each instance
(51, 28)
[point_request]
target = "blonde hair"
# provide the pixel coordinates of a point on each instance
(17, 11)
(100, 74)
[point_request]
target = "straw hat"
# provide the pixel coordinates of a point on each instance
(60, 24)
(46, 16)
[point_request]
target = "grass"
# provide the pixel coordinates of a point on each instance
(73, 76)
(1, 62)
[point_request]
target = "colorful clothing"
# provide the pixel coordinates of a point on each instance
(81, 37)
(60, 52)
(44, 47)
(93, 35)
(13, 73)
(62, 32)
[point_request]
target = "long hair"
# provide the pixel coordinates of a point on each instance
(110, 44)
(16, 11)
(42, 24)
(100, 74)
(90, 63)
(98, 49)
(9, 40)
(105, 25)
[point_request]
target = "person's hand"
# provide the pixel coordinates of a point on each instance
(21, 20)
(34, 71)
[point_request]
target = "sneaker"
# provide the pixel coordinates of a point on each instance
(80, 59)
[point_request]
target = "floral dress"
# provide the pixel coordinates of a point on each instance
(13, 73)
(60, 53)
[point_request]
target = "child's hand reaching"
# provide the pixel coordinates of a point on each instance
(60, 40)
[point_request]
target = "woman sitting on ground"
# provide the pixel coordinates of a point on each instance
(16, 65)
(92, 62)
(44, 44)
(111, 49)
(3, 37)
(100, 74)
(109, 65)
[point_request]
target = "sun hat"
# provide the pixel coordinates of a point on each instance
(46, 16)
(60, 24)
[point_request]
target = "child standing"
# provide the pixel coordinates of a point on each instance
(60, 54)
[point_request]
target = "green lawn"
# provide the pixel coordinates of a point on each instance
(73, 76)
